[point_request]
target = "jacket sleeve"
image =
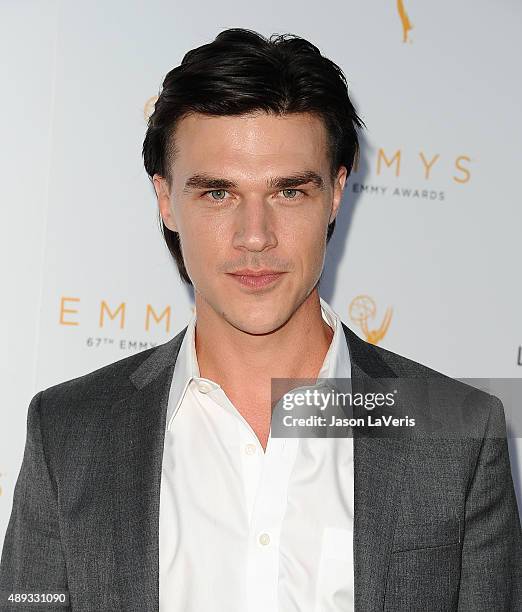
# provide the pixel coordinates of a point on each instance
(32, 556)
(491, 574)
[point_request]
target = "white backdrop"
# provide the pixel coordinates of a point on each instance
(431, 221)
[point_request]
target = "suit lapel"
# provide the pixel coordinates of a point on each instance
(137, 436)
(379, 463)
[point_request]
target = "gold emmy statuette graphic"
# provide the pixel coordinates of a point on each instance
(405, 20)
(148, 109)
(363, 308)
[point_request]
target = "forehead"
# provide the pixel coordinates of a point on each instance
(250, 143)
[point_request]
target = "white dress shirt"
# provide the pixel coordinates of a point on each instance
(243, 530)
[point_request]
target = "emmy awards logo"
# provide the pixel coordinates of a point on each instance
(405, 20)
(148, 109)
(363, 308)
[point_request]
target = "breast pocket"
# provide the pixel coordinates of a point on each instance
(334, 587)
(440, 531)
(424, 566)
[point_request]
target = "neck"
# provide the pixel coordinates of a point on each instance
(238, 360)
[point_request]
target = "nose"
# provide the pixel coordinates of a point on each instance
(254, 225)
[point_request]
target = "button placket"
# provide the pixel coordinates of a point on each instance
(267, 517)
(252, 464)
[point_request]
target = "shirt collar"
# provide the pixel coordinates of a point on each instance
(336, 363)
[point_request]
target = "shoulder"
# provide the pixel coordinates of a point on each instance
(111, 382)
(454, 398)
(100, 384)
(379, 360)
(77, 412)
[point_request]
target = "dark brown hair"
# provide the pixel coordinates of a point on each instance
(240, 72)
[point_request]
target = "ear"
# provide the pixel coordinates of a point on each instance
(164, 202)
(338, 189)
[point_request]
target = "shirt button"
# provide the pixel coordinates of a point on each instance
(264, 539)
(250, 449)
(204, 387)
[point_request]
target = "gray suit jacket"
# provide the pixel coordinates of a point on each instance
(436, 523)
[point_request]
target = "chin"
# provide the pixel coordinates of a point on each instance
(262, 323)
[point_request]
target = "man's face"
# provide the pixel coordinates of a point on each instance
(236, 204)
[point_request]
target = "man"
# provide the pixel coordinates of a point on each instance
(155, 483)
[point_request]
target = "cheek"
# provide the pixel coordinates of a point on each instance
(313, 256)
(203, 245)
(307, 232)
(308, 220)
(306, 247)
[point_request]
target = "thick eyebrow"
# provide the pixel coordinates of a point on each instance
(206, 181)
(295, 180)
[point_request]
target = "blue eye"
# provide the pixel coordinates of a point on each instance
(294, 194)
(216, 191)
